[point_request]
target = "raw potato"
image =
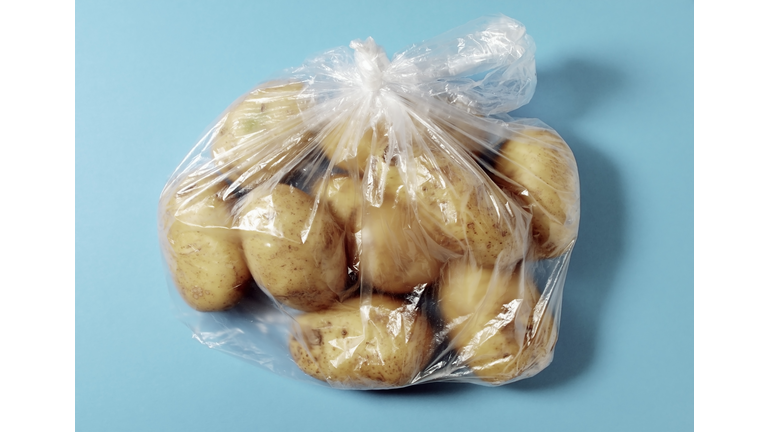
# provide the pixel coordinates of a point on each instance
(354, 346)
(350, 144)
(391, 255)
(490, 361)
(262, 134)
(465, 213)
(395, 255)
(301, 265)
(538, 167)
(493, 321)
(341, 193)
(386, 221)
(403, 243)
(205, 257)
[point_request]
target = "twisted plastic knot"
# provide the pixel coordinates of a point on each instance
(371, 60)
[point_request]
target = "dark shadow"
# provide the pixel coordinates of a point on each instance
(255, 302)
(569, 90)
(435, 389)
(591, 273)
(562, 96)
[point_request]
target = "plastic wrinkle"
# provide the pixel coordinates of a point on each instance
(362, 222)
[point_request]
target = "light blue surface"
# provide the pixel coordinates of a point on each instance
(615, 79)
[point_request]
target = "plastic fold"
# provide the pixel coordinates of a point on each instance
(371, 223)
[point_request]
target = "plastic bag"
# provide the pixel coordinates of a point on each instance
(377, 224)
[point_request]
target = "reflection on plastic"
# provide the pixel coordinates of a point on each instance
(371, 224)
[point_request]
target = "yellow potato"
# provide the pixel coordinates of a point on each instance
(464, 212)
(355, 344)
(295, 254)
(494, 361)
(396, 256)
(410, 228)
(396, 253)
(494, 321)
(349, 144)
(538, 167)
(384, 243)
(262, 134)
(205, 256)
(342, 194)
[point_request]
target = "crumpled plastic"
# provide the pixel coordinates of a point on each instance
(368, 223)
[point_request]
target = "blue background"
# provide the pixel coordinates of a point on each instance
(615, 79)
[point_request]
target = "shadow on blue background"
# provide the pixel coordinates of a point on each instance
(562, 96)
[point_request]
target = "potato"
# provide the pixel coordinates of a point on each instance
(205, 256)
(538, 167)
(355, 345)
(404, 241)
(494, 321)
(341, 193)
(350, 143)
(494, 361)
(385, 244)
(293, 251)
(464, 212)
(395, 255)
(262, 134)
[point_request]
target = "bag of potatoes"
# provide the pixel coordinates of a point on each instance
(374, 223)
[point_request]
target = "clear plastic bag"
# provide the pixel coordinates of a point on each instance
(376, 224)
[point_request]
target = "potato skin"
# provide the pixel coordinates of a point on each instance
(386, 349)
(204, 255)
(495, 361)
(342, 195)
(465, 212)
(494, 321)
(403, 241)
(349, 145)
(385, 243)
(395, 255)
(302, 266)
(538, 167)
(261, 134)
